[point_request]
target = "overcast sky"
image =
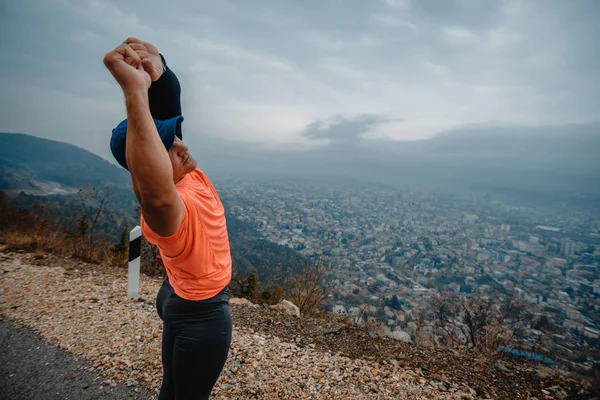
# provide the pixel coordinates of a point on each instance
(299, 72)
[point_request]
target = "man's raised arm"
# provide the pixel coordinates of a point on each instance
(147, 159)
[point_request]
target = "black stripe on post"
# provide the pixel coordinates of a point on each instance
(135, 248)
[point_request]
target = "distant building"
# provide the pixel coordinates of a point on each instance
(547, 228)
(591, 333)
(521, 246)
(339, 309)
(470, 218)
(397, 261)
(567, 248)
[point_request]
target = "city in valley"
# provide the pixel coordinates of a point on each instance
(395, 254)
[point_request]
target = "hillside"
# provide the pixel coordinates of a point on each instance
(40, 174)
(37, 173)
(26, 161)
(273, 355)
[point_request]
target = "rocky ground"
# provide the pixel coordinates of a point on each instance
(30, 368)
(82, 309)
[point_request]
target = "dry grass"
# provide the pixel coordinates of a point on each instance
(24, 230)
(63, 245)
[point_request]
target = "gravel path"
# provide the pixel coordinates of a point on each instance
(32, 369)
(82, 309)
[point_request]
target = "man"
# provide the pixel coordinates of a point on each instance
(181, 214)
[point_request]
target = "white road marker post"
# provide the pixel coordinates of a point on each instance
(135, 252)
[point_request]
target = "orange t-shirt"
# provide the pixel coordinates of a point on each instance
(197, 257)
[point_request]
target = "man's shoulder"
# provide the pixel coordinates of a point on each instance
(198, 175)
(197, 184)
(191, 180)
(200, 178)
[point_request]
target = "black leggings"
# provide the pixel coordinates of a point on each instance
(195, 343)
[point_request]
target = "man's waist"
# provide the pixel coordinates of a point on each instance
(191, 295)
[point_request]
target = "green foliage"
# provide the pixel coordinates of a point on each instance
(394, 303)
(249, 285)
(251, 289)
(307, 288)
(122, 246)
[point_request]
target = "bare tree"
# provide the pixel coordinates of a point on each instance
(444, 310)
(478, 315)
(481, 324)
(93, 203)
(310, 287)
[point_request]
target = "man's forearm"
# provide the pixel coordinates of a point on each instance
(147, 159)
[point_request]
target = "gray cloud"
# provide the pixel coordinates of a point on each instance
(264, 72)
(344, 130)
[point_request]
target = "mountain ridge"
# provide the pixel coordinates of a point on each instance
(27, 158)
